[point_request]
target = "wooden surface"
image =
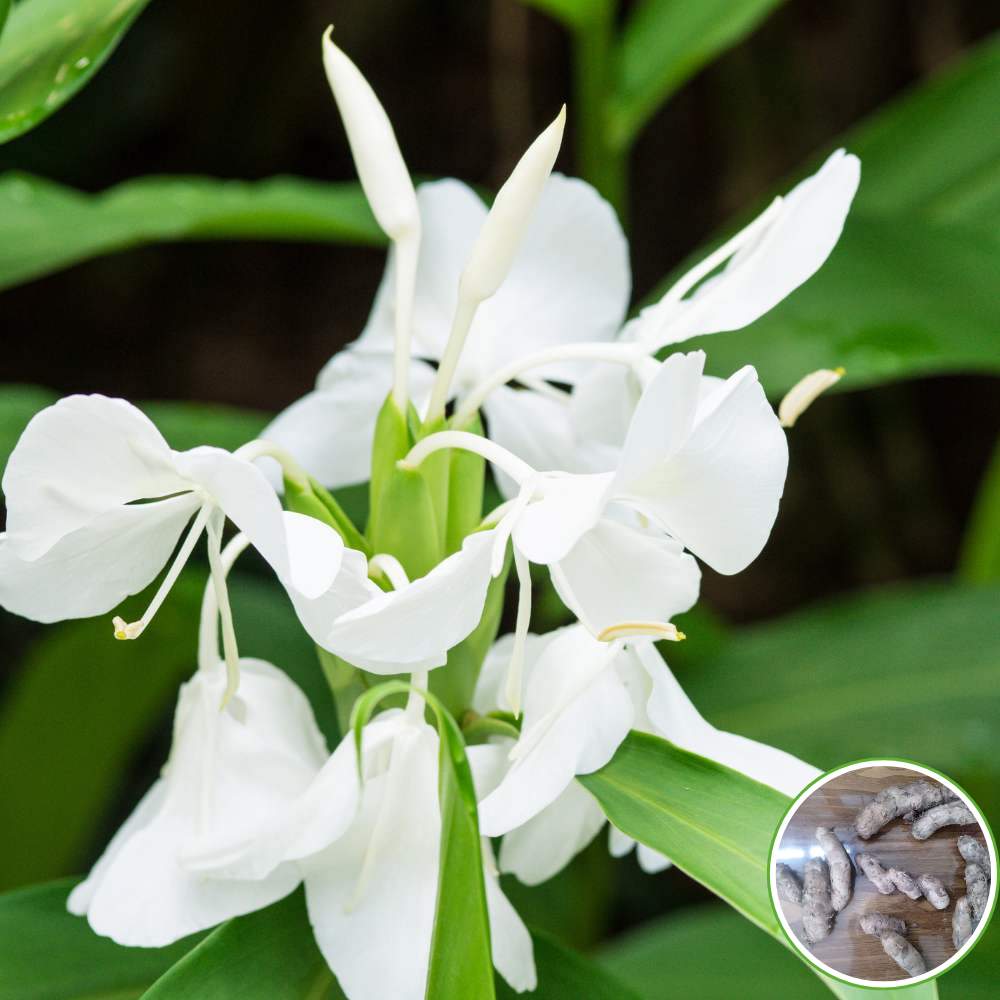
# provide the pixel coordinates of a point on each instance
(848, 949)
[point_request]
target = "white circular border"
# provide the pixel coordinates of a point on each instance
(871, 983)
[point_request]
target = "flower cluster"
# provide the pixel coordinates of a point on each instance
(498, 336)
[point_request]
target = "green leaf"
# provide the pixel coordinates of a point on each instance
(50, 49)
(188, 425)
(98, 702)
(48, 954)
(714, 823)
(461, 963)
(664, 43)
(566, 975)
(18, 404)
(899, 297)
(849, 679)
(45, 226)
(270, 953)
(4, 11)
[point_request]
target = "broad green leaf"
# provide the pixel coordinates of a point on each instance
(4, 11)
(849, 679)
(663, 44)
(50, 49)
(97, 703)
(48, 954)
(899, 297)
(270, 953)
(567, 975)
(980, 558)
(714, 823)
(936, 150)
(461, 963)
(45, 226)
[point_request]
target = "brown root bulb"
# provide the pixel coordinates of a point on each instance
(905, 883)
(898, 800)
(789, 886)
(878, 923)
(841, 869)
(977, 888)
(903, 953)
(961, 922)
(974, 852)
(934, 891)
(874, 871)
(950, 814)
(817, 910)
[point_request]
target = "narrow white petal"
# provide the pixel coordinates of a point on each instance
(652, 861)
(513, 952)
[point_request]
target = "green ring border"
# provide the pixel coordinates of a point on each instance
(934, 974)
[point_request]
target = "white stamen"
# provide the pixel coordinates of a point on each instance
(415, 699)
(516, 468)
(805, 392)
(230, 650)
(506, 525)
(132, 630)
(619, 354)
(290, 468)
(515, 672)
(208, 630)
(634, 630)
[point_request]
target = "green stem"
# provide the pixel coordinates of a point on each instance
(598, 161)
(979, 560)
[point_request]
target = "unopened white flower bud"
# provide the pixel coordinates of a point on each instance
(381, 169)
(507, 221)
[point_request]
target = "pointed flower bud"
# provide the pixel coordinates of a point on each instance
(494, 250)
(381, 170)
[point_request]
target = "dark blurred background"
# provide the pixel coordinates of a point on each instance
(881, 480)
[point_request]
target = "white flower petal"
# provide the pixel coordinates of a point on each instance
(229, 772)
(543, 846)
(718, 491)
(418, 624)
(652, 861)
(577, 712)
(570, 506)
(76, 460)
(373, 920)
(617, 573)
(92, 569)
(675, 718)
(787, 252)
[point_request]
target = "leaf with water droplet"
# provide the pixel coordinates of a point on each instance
(50, 49)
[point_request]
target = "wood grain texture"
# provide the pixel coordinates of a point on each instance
(848, 949)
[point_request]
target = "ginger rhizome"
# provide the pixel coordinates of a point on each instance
(948, 814)
(817, 909)
(789, 886)
(890, 930)
(899, 800)
(841, 869)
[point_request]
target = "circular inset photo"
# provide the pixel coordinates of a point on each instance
(881, 873)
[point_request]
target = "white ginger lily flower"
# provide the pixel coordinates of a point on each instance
(97, 501)
(545, 266)
(228, 773)
(370, 857)
(582, 698)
